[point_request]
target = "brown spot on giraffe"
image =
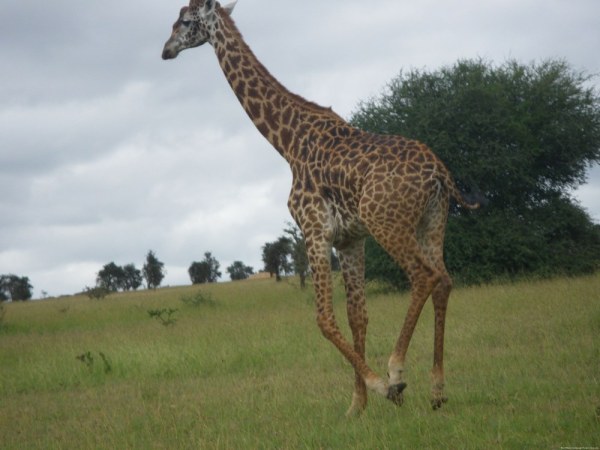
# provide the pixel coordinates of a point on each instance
(347, 184)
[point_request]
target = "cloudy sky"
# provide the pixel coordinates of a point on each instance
(106, 151)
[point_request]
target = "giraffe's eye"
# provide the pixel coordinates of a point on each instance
(186, 23)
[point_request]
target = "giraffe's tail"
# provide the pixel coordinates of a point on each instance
(467, 201)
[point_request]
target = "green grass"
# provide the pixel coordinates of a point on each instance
(248, 368)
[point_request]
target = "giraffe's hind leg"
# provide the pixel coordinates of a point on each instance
(431, 239)
(352, 262)
(440, 303)
(403, 246)
(394, 220)
(423, 278)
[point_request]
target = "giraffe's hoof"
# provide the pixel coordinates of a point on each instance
(437, 403)
(395, 393)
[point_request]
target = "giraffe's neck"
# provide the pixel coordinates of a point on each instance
(281, 117)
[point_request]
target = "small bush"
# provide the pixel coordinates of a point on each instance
(198, 299)
(87, 358)
(96, 293)
(164, 316)
(105, 362)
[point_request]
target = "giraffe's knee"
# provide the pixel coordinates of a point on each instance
(425, 281)
(327, 326)
(445, 283)
(441, 292)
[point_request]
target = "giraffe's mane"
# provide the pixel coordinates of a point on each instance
(266, 75)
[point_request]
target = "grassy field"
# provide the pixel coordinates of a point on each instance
(248, 368)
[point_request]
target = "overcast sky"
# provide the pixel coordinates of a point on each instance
(106, 151)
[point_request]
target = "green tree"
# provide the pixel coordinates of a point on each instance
(205, 271)
(239, 271)
(153, 271)
(110, 277)
(15, 288)
(298, 252)
(113, 277)
(275, 256)
(132, 277)
(520, 135)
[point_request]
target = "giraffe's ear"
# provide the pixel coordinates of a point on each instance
(229, 7)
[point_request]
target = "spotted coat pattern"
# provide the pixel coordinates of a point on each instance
(347, 184)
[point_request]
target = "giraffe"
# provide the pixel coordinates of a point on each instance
(346, 184)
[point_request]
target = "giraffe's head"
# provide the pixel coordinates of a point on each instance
(194, 26)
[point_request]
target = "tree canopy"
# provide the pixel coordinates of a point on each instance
(113, 277)
(132, 277)
(520, 135)
(298, 252)
(153, 270)
(15, 288)
(110, 277)
(205, 271)
(239, 271)
(275, 256)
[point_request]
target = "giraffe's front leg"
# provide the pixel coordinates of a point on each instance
(328, 326)
(319, 254)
